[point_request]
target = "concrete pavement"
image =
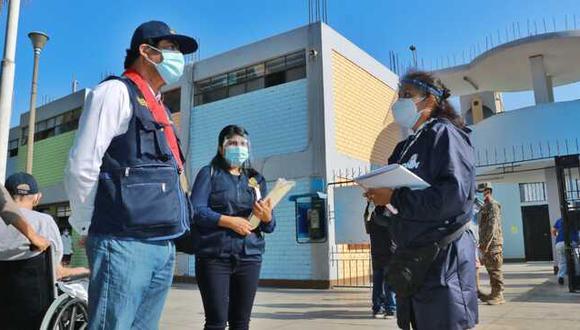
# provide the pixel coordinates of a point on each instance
(535, 301)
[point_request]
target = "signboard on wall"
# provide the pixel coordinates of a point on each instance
(349, 206)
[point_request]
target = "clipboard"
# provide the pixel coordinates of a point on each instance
(391, 176)
(281, 189)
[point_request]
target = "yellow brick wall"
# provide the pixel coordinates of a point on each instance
(364, 127)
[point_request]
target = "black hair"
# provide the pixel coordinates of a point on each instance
(132, 54)
(220, 162)
(443, 108)
(130, 58)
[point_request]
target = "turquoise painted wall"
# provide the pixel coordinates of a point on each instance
(508, 195)
(275, 117)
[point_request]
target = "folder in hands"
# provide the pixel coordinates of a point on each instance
(281, 189)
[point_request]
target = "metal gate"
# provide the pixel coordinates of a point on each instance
(568, 176)
(353, 265)
(352, 262)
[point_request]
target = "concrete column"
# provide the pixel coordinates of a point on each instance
(542, 83)
(550, 88)
(7, 81)
(477, 102)
(465, 103)
(477, 110)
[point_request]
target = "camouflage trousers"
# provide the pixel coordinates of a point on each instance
(493, 260)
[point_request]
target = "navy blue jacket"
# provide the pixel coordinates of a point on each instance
(215, 193)
(139, 194)
(441, 154)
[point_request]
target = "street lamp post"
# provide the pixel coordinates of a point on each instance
(38, 39)
(413, 50)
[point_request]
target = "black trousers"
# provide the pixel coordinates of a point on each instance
(228, 288)
(25, 293)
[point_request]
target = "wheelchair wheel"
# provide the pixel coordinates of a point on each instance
(71, 314)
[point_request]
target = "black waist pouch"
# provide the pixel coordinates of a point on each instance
(409, 266)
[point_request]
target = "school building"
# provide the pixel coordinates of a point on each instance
(314, 103)
(316, 108)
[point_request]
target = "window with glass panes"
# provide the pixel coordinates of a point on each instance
(273, 72)
(63, 211)
(533, 192)
(66, 122)
(13, 148)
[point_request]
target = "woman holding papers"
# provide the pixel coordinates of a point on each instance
(428, 224)
(229, 254)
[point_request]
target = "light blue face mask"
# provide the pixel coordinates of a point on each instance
(171, 68)
(236, 155)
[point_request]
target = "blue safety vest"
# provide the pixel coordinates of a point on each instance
(139, 193)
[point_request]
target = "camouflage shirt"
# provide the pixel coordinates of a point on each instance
(490, 226)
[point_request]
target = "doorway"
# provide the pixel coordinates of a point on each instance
(537, 239)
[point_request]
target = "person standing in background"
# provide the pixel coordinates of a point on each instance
(558, 232)
(491, 243)
(382, 249)
(66, 247)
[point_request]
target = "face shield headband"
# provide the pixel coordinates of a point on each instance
(426, 88)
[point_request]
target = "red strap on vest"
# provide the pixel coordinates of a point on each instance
(159, 114)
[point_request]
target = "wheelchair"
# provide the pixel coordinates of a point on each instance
(68, 310)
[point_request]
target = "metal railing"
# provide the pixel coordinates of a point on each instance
(353, 265)
(526, 152)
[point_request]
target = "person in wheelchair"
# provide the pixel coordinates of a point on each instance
(10, 216)
(25, 274)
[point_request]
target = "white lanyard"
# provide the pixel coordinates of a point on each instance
(258, 193)
(410, 143)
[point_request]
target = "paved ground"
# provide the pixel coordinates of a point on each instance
(535, 301)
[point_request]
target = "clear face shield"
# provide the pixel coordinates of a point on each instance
(237, 151)
(412, 92)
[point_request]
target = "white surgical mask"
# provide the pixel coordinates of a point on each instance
(405, 112)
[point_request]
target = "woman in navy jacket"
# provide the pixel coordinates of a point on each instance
(229, 254)
(440, 152)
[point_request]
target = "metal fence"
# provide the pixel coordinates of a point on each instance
(568, 172)
(352, 262)
(353, 265)
(343, 177)
(526, 152)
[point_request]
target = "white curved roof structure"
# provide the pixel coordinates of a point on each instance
(527, 134)
(506, 68)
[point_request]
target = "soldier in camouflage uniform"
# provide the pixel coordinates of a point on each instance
(491, 244)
